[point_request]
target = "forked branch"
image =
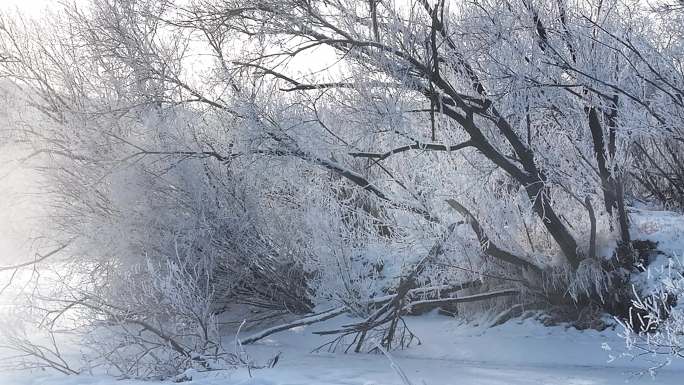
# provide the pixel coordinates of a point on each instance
(488, 246)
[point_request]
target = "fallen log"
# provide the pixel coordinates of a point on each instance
(326, 315)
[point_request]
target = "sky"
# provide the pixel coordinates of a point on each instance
(28, 6)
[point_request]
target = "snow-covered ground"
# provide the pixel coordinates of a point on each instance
(520, 352)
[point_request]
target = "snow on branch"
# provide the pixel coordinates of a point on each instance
(416, 146)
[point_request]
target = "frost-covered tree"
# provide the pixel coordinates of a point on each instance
(389, 157)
